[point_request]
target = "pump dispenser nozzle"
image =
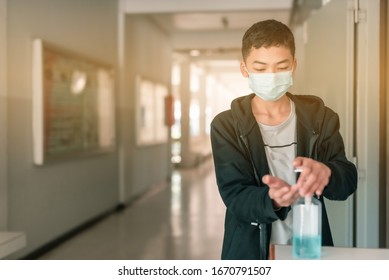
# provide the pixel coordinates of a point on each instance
(308, 200)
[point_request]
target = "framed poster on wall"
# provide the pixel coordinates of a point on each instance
(150, 112)
(73, 104)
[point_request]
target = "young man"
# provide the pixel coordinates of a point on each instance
(259, 142)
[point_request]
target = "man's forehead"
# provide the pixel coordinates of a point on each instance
(276, 55)
(286, 60)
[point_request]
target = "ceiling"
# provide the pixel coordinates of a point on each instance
(210, 32)
(217, 21)
(216, 25)
(213, 31)
(213, 39)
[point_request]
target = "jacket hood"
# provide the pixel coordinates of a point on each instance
(309, 110)
(242, 113)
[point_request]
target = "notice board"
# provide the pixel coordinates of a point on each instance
(73, 104)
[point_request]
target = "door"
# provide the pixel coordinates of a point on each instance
(368, 124)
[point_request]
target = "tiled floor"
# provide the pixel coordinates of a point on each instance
(181, 220)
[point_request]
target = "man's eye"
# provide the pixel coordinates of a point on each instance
(282, 68)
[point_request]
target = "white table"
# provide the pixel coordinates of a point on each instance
(10, 242)
(284, 252)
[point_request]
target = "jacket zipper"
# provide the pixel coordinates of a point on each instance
(244, 140)
(262, 227)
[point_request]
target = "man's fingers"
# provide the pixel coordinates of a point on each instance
(273, 182)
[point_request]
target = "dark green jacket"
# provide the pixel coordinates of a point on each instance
(240, 162)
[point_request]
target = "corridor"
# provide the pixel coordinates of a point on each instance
(182, 219)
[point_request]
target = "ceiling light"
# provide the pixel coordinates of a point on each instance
(194, 53)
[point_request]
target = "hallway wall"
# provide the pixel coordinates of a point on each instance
(148, 53)
(3, 115)
(48, 201)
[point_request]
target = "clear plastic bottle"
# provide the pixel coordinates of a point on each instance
(307, 228)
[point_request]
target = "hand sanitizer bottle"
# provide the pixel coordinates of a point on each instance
(307, 228)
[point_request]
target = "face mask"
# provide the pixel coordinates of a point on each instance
(270, 86)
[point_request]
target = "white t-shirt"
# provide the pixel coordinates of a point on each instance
(280, 147)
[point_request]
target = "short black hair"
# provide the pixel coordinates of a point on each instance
(267, 33)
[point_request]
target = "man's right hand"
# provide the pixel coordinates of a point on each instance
(282, 194)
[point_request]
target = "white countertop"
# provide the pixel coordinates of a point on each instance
(284, 252)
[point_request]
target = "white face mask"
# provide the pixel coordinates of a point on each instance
(270, 86)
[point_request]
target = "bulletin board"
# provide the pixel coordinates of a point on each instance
(151, 127)
(73, 104)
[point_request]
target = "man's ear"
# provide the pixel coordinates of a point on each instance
(243, 69)
(294, 65)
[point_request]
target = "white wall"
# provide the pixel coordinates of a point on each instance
(46, 202)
